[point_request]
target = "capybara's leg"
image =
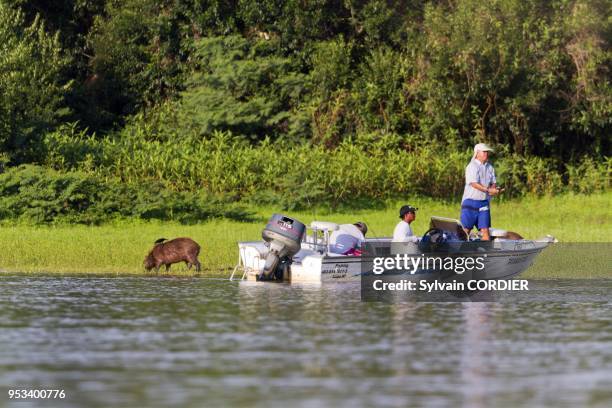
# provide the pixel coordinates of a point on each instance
(188, 265)
(197, 265)
(167, 267)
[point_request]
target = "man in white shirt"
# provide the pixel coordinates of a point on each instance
(403, 231)
(480, 186)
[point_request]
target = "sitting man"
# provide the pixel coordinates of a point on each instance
(403, 231)
(348, 238)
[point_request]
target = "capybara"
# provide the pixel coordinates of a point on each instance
(511, 235)
(173, 251)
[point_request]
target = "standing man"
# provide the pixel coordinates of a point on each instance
(480, 186)
(403, 231)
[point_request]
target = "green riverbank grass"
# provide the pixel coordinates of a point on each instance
(119, 248)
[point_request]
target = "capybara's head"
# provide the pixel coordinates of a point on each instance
(149, 262)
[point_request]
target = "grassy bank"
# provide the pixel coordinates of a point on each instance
(119, 248)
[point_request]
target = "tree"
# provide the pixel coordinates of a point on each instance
(137, 54)
(523, 73)
(588, 29)
(31, 90)
(243, 87)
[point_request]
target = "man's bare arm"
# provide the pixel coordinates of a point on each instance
(493, 190)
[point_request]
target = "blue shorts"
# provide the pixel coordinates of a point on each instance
(475, 213)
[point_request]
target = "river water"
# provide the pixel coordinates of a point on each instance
(143, 342)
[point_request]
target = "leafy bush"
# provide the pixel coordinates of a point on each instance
(375, 166)
(37, 195)
(69, 148)
(589, 176)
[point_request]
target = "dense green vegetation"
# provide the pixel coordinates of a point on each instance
(176, 110)
(33, 194)
(120, 247)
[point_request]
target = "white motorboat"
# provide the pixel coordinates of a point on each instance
(312, 260)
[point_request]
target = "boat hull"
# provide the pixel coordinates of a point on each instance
(502, 260)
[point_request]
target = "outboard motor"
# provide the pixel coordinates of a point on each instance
(284, 237)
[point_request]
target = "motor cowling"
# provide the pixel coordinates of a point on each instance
(284, 238)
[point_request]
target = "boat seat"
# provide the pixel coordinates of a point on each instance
(450, 225)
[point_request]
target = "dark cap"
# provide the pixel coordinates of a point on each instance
(362, 227)
(406, 209)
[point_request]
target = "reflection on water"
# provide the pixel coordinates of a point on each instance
(199, 342)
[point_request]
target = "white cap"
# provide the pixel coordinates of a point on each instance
(482, 147)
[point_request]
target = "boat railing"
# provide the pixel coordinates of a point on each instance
(319, 237)
(314, 241)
